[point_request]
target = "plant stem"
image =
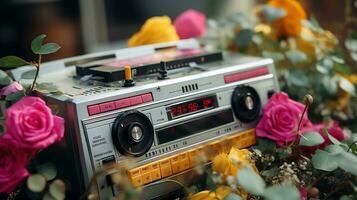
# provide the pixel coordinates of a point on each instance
(37, 72)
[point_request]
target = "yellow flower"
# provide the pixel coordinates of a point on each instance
(154, 30)
(290, 24)
(219, 194)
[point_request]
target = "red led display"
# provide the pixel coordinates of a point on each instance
(192, 106)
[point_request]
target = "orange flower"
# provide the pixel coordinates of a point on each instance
(290, 24)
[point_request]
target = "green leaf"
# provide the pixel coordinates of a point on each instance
(347, 86)
(296, 57)
(282, 192)
(12, 61)
(310, 139)
(243, 38)
(232, 196)
(57, 189)
(37, 43)
(324, 161)
(29, 74)
(48, 170)
(334, 149)
(273, 13)
(333, 139)
(13, 97)
(4, 78)
(346, 197)
(250, 181)
(36, 183)
(48, 48)
(265, 145)
(297, 78)
(46, 88)
(270, 172)
(348, 162)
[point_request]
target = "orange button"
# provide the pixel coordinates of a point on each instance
(155, 174)
(145, 168)
(183, 156)
(134, 172)
(146, 177)
(174, 159)
(165, 171)
(176, 167)
(155, 165)
(136, 181)
(185, 164)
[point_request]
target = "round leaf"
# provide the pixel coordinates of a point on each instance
(37, 43)
(334, 149)
(273, 13)
(296, 57)
(36, 183)
(311, 139)
(15, 96)
(12, 61)
(243, 38)
(232, 196)
(57, 189)
(282, 192)
(250, 181)
(4, 78)
(48, 170)
(48, 48)
(348, 162)
(324, 161)
(29, 74)
(347, 86)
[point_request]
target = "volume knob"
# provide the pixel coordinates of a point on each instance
(132, 133)
(246, 103)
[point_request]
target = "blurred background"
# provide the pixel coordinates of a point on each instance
(85, 26)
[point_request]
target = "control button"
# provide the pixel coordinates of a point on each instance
(145, 169)
(104, 107)
(165, 168)
(135, 100)
(146, 97)
(134, 172)
(128, 82)
(94, 109)
(155, 173)
(246, 103)
(135, 132)
(136, 181)
(185, 164)
(122, 103)
(146, 177)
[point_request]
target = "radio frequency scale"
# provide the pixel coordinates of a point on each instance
(161, 104)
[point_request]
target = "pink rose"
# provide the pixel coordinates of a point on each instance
(13, 87)
(334, 130)
(280, 119)
(30, 124)
(190, 23)
(303, 193)
(13, 161)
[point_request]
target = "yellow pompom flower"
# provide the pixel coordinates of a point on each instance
(155, 30)
(290, 24)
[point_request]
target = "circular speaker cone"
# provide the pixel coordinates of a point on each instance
(132, 133)
(246, 103)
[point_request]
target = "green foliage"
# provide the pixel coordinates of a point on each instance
(273, 13)
(250, 181)
(347, 86)
(276, 56)
(311, 139)
(12, 61)
(232, 196)
(13, 97)
(332, 139)
(270, 172)
(282, 192)
(29, 74)
(47, 88)
(36, 183)
(323, 160)
(4, 78)
(57, 189)
(243, 38)
(296, 56)
(48, 170)
(264, 145)
(38, 47)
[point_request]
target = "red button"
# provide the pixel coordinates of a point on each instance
(146, 97)
(135, 100)
(122, 103)
(94, 109)
(104, 107)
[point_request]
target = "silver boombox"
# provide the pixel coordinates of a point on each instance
(173, 102)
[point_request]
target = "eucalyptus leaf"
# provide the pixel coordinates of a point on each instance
(311, 139)
(48, 48)
(334, 149)
(265, 145)
(12, 62)
(270, 172)
(232, 196)
(250, 181)
(282, 192)
(332, 139)
(296, 57)
(36, 183)
(273, 13)
(324, 161)
(29, 74)
(37, 43)
(347, 86)
(15, 96)
(276, 56)
(243, 38)
(4, 78)
(348, 162)
(346, 197)
(297, 78)
(48, 170)
(57, 189)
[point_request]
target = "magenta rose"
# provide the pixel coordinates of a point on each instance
(13, 161)
(190, 23)
(31, 125)
(334, 130)
(280, 119)
(13, 87)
